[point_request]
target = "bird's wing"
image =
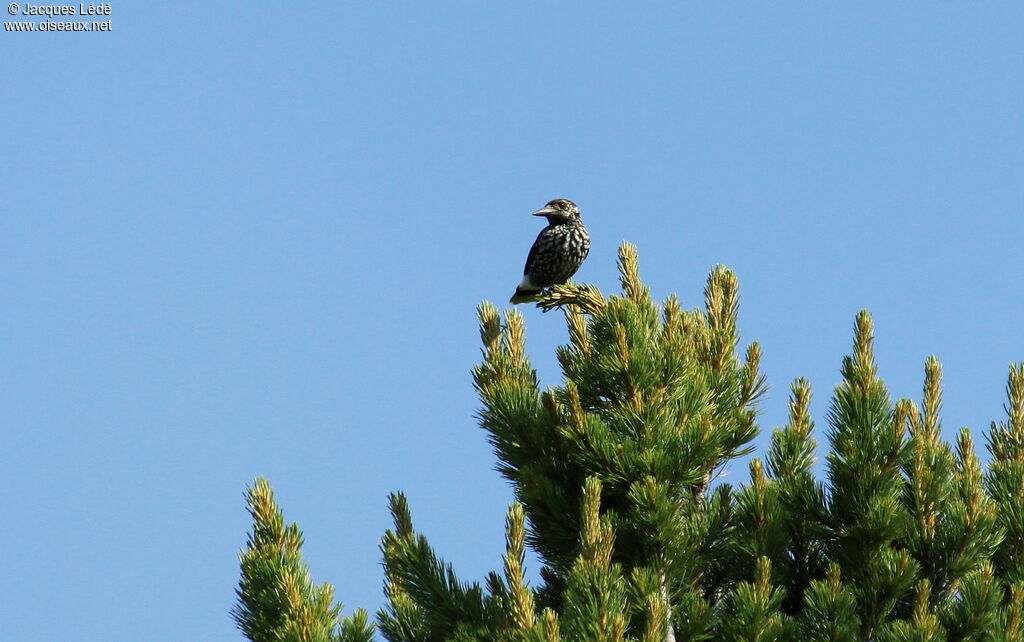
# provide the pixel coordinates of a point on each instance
(533, 251)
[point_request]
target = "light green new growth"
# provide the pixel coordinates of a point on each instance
(277, 600)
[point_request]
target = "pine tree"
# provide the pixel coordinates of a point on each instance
(616, 479)
(276, 596)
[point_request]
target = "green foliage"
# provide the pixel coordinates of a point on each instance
(1005, 479)
(865, 516)
(654, 403)
(751, 611)
(426, 600)
(614, 473)
(277, 601)
(800, 513)
(830, 610)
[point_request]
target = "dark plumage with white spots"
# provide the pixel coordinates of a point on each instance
(558, 251)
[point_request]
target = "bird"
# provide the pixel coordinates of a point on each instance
(558, 251)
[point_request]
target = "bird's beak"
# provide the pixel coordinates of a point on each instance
(545, 211)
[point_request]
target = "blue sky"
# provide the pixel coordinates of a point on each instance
(239, 242)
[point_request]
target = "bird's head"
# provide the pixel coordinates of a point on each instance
(560, 210)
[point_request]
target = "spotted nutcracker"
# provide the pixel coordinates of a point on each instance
(558, 251)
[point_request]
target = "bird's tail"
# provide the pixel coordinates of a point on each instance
(524, 296)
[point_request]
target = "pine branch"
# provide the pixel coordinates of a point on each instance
(752, 611)
(521, 604)
(866, 514)
(426, 601)
(830, 612)
(276, 596)
(595, 604)
(585, 297)
(1005, 479)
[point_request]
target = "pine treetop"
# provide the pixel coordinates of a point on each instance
(614, 472)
